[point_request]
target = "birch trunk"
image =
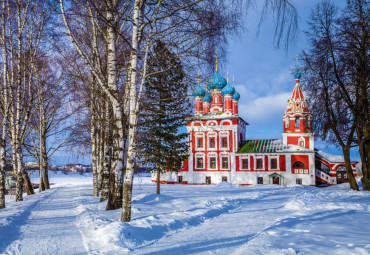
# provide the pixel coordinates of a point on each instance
(131, 153)
(106, 143)
(2, 170)
(6, 109)
(100, 156)
(115, 198)
(93, 149)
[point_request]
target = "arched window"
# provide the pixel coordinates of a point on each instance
(287, 122)
(298, 164)
(297, 124)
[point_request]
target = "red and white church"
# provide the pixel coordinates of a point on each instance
(220, 151)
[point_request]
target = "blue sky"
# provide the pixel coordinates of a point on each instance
(263, 77)
(264, 74)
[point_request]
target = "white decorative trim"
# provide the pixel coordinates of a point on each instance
(211, 123)
(241, 157)
(209, 156)
(225, 155)
(301, 139)
(224, 134)
(199, 155)
(195, 122)
(210, 135)
(287, 121)
(226, 121)
(202, 136)
(255, 162)
(270, 157)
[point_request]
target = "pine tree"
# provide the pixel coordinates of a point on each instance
(165, 107)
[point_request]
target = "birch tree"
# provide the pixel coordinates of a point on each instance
(23, 25)
(51, 126)
(4, 99)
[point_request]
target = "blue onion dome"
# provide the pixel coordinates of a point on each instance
(228, 90)
(199, 92)
(236, 96)
(297, 75)
(207, 98)
(216, 82)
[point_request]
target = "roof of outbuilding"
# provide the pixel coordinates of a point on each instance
(269, 146)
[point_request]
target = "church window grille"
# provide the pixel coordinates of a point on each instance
(212, 143)
(274, 163)
(259, 163)
(225, 163)
(298, 181)
(212, 163)
(224, 142)
(298, 164)
(200, 142)
(245, 164)
(199, 162)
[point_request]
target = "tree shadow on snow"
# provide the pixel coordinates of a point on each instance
(204, 246)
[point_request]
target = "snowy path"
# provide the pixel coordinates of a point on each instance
(185, 219)
(47, 227)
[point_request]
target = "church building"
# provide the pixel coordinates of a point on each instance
(220, 151)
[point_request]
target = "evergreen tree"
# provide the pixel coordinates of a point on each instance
(165, 107)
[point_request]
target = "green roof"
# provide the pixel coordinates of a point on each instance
(259, 146)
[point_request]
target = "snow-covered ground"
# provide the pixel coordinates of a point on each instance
(184, 219)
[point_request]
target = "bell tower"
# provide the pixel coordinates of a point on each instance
(298, 119)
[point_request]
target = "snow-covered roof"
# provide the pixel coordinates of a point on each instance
(330, 157)
(269, 146)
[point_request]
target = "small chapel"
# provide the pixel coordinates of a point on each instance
(220, 151)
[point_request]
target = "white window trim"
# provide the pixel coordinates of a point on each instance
(197, 136)
(255, 162)
(209, 156)
(228, 162)
(212, 135)
(287, 122)
(199, 155)
(224, 134)
(241, 162)
(300, 140)
(277, 163)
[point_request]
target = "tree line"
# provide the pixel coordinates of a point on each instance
(112, 76)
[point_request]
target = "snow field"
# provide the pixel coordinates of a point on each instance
(185, 219)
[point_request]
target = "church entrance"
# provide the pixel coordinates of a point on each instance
(276, 178)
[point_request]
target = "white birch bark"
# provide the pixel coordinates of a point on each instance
(5, 108)
(131, 153)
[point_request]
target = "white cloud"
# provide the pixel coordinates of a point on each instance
(265, 115)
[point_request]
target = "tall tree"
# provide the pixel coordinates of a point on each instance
(165, 107)
(337, 66)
